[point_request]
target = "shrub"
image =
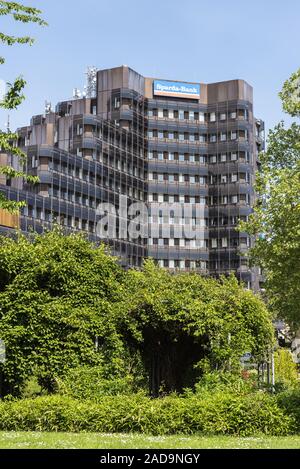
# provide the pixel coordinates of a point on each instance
(218, 381)
(93, 383)
(285, 368)
(289, 401)
(219, 414)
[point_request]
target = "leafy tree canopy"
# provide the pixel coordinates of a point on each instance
(276, 217)
(65, 303)
(15, 96)
(57, 296)
(186, 322)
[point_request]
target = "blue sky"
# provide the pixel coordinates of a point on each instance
(192, 40)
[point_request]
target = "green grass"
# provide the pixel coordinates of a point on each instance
(43, 440)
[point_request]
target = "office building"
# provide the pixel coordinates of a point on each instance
(189, 151)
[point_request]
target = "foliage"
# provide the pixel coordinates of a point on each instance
(290, 94)
(93, 383)
(66, 304)
(236, 383)
(276, 217)
(14, 95)
(289, 401)
(219, 414)
(57, 295)
(285, 368)
(186, 323)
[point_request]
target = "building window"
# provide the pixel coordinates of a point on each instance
(233, 135)
(224, 199)
(224, 242)
(222, 116)
(223, 158)
(213, 138)
(223, 136)
(233, 157)
(201, 117)
(181, 114)
(213, 159)
(212, 117)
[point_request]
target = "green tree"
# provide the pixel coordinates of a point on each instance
(57, 297)
(285, 368)
(184, 324)
(14, 96)
(276, 217)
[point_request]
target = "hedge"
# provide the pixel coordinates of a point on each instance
(289, 401)
(221, 414)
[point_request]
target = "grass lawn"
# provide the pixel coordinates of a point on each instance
(30, 440)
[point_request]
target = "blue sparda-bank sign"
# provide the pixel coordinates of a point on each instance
(176, 88)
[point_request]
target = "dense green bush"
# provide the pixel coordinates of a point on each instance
(238, 383)
(289, 401)
(220, 414)
(93, 383)
(285, 368)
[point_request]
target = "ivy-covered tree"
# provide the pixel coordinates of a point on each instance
(57, 297)
(185, 323)
(14, 96)
(276, 217)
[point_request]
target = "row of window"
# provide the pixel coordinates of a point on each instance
(182, 264)
(79, 173)
(81, 199)
(176, 220)
(172, 219)
(171, 156)
(213, 200)
(243, 242)
(202, 265)
(227, 178)
(69, 221)
(196, 179)
(196, 158)
(196, 137)
(176, 198)
(197, 116)
(177, 177)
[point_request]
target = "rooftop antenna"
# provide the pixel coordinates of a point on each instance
(91, 86)
(76, 93)
(48, 107)
(8, 124)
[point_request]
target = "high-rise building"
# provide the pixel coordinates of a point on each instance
(189, 151)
